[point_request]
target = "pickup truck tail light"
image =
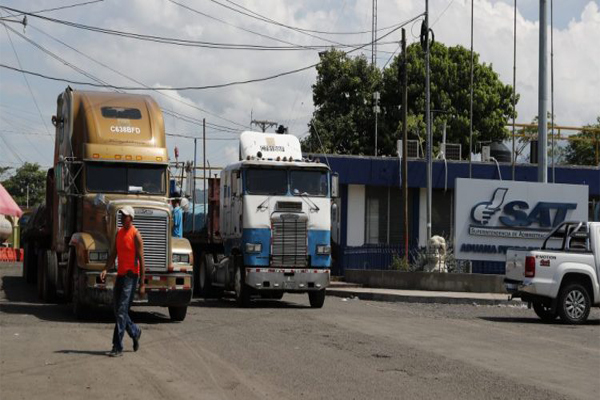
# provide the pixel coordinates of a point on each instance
(529, 267)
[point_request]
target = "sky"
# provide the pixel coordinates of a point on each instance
(28, 103)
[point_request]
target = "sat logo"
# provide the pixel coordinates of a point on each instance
(516, 213)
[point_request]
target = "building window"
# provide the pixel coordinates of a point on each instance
(383, 215)
(442, 213)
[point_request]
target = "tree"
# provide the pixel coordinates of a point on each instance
(4, 170)
(338, 84)
(583, 151)
(343, 119)
(28, 175)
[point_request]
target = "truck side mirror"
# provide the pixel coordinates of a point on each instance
(335, 185)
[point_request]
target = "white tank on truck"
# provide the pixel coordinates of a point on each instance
(269, 224)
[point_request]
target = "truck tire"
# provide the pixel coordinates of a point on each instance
(242, 291)
(574, 304)
(544, 312)
(29, 264)
(177, 314)
(40, 273)
(49, 284)
(316, 298)
(80, 309)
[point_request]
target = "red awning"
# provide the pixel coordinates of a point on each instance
(7, 204)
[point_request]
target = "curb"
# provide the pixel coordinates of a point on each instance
(401, 298)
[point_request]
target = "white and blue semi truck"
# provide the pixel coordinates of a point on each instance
(268, 229)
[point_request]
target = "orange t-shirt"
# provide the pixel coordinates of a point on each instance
(126, 254)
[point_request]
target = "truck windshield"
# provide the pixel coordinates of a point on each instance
(310, 182)
(266, 181)
(125, 178)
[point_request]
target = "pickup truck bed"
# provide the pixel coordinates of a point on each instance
(562, 278)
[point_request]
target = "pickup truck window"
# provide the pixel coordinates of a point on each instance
(266, 181)
(125, 178)
(310, 182)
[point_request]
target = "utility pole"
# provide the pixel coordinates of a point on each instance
(471, 100)
(404, 145)
(376, 111)
(543, 97)
(374, 64)
(428, 124)
(204, 168)
(514, 92)
(264, 124)
(374, 35)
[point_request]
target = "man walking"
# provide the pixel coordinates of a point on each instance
(129, 250)
(177, 218)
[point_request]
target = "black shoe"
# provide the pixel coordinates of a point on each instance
(115, 353)
(136, 341)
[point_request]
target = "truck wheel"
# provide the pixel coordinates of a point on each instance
(177, 314)
(203, 279)
(316, 298)
(49, 284)
(544, 312)
(80, 309)
(29, 264)
(574, 304)
(40, 273)
(242, 291)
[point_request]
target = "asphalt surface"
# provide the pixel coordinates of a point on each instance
(350, 349)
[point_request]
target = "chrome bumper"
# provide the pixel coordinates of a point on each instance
(287, 279)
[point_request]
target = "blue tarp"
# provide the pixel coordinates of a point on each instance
(188, 217)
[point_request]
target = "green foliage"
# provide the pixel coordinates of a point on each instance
(343, 116)
(343, 99)
(29, 174)
(583, 152)
(399, 263)
(3, 171)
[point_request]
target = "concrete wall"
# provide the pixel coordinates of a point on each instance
(356, 215)
(427, 281)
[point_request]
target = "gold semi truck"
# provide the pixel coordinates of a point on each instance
(110, 151)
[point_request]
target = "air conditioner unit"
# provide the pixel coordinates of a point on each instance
(485, 154)
(412, 148)
(453, 151)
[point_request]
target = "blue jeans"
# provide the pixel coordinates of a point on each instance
(123, 296)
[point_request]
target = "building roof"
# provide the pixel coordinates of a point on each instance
(384, 171)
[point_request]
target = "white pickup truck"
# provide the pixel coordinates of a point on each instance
(562, 278)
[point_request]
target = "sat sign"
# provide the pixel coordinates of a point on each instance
(492, 216)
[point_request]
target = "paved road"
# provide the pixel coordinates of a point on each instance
(350, 349)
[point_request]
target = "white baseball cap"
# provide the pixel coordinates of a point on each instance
(128, 210)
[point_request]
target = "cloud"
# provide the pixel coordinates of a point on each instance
(287, 100)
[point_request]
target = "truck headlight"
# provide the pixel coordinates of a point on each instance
(323, 249)
(181, 258)
(253, 247)
(98, 255)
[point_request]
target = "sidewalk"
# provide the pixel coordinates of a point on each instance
(342, 289)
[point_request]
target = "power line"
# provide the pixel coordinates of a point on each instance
(442, 13)
(61, 7)
(272, 21)
(205, 87)
(176, 41)
(30, 91)
(235, 26)
(138, 82)
(132, 88)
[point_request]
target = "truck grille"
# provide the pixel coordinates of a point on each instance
(289, 241)
(153, 225)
